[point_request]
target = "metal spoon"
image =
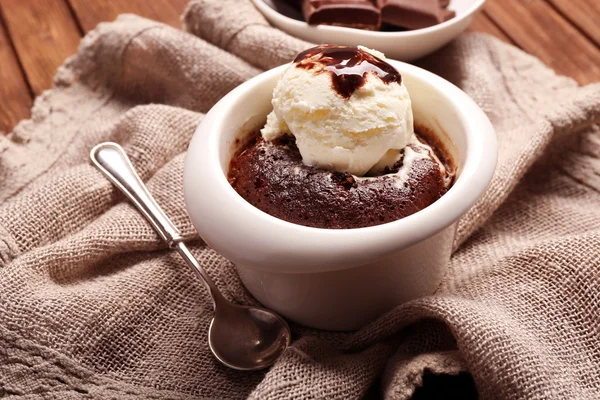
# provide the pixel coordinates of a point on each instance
(240, 337)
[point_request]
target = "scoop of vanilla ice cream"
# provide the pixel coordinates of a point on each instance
(338, 133)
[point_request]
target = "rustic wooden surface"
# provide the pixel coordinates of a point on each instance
(43, 33)
(36, 36)
(538, 28)
(91, 13)
(15, 95)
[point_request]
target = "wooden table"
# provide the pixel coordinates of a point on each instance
(36, 36)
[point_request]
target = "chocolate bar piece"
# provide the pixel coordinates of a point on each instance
(360, 14)
(296, 4)
(413, 14)
(447, 14)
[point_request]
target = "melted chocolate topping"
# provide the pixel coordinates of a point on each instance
(348, 66)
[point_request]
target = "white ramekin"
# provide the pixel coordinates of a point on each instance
(401, 45)
(326, 278)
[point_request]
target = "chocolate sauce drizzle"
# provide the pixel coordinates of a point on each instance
(348, 66)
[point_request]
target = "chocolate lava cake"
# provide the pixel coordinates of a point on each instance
(271, 176)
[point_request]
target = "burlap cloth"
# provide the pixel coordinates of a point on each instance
(92, 305)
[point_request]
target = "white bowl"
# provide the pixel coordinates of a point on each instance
(336, 279)
(405, 46)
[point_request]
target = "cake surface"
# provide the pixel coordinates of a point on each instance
(271, 176)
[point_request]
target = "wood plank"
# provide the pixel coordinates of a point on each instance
(483, 23)
(44, 34)
(585, 14)
(15, 95)
(540, 30)
(91, 13)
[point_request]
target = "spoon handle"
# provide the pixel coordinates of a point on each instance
(111, 160)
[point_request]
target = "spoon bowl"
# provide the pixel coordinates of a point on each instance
(228, 336)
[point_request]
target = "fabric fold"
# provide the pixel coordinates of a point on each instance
(238, 27)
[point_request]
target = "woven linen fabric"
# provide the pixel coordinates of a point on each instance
(93, 305)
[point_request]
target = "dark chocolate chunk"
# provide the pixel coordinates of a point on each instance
(360, 14)
(348, 66)
(447, 14)
(413, 14)
(297, 4)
